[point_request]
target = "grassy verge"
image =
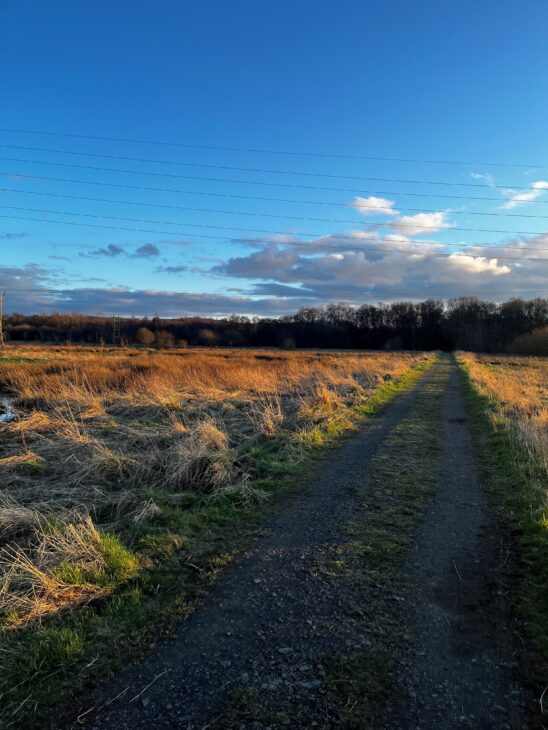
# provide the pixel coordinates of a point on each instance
(401, 482)
(191, 539)
(518, 486)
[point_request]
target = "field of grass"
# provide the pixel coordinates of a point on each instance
(508, 397)
(124, 471)
(517, 388)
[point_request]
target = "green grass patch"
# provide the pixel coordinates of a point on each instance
(120, 565)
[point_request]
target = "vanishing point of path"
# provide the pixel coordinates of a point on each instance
(265, 647)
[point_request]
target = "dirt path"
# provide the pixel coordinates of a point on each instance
(256, 653)
(459, 671)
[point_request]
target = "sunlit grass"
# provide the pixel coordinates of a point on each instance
(100, 435)
(518, 390)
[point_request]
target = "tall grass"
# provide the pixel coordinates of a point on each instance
(517, 388)
(102, 437)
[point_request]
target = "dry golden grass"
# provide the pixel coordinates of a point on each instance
(102, 432)
(15, 519)
(29, 588)
(266, 414)
(518, 388)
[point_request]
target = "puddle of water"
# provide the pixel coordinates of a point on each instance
(6, 406)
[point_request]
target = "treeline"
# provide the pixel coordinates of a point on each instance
(465, 323)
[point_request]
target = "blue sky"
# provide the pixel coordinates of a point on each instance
(228, 228)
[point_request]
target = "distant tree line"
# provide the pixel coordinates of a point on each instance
(464, 323)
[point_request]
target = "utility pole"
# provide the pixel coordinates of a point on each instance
(115, 329)
(2, 295)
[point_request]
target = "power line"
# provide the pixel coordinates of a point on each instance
(311, 247)
(46, 290)
(383, 210)
(146, 188)
(395, 225)
(218, 148)
(232, 168)
(238, 229)
(261, 183)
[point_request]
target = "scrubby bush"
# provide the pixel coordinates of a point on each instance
(164, 339)
(207, 338)
(533, 343)
(145, 337)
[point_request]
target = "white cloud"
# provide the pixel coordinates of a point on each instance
(395, 269)
(384, 257)
(412, 225)
(277, 279)
(516, 197)
(477, 264)
(374, 206)
(396, 238)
